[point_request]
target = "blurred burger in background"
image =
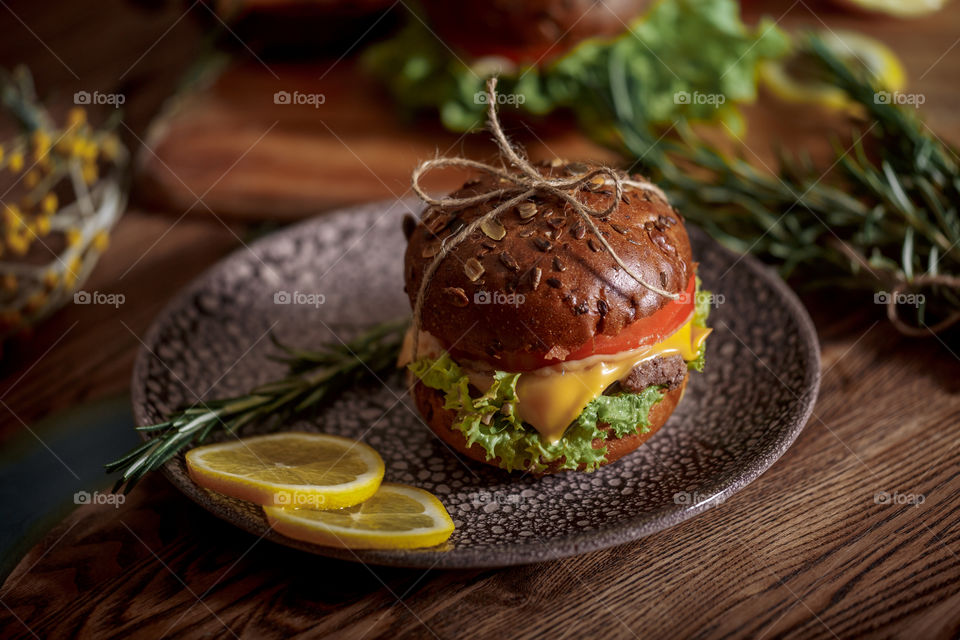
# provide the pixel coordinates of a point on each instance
(692, 59)
(530, 31)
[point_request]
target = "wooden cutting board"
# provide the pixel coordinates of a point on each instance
(245, 156)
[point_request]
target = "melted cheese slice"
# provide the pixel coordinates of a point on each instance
(552, 397)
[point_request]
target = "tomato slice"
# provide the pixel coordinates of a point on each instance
(644, 332)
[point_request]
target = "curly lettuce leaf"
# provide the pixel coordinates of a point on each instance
(626, 413)
(701, 312)
(701, 308)
(490, 420)
(679, 48)
(698, 363)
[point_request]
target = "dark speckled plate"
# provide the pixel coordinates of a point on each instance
(737, 418)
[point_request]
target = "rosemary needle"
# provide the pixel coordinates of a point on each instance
(313, 377)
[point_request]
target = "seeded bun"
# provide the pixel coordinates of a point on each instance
(430, 404)
(571, 288)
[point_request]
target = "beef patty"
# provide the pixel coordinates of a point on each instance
(669, 372)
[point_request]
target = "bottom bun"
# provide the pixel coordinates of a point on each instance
(430, 403)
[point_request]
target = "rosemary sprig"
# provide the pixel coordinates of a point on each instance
(886, 220)
(313, 378)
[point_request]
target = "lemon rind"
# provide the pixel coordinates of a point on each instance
(287, 522)
(321, 497)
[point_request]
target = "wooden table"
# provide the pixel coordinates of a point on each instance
(804, 551)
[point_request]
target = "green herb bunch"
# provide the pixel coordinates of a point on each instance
(884, 218)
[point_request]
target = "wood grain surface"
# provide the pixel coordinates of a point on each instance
(252, 158)
(804, 551)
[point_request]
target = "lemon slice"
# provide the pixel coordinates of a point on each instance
(799, 78)
(898, 8)
(396, 517)
(297, 469)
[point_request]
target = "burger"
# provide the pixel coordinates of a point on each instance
(534, 350)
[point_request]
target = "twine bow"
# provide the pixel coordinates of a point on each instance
(521, 184)
(903, 285)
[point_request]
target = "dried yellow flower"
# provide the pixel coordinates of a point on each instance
(72, 272)
(43, 225)
(89, 150)
(18, 242)
(49, 203)
(74, 237)
(16, 161)
(76, 117)
(41, 144)
(101, 240)
(90, 173)
(12, 216)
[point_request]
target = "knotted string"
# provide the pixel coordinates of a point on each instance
(521, 184)
(903, 285)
